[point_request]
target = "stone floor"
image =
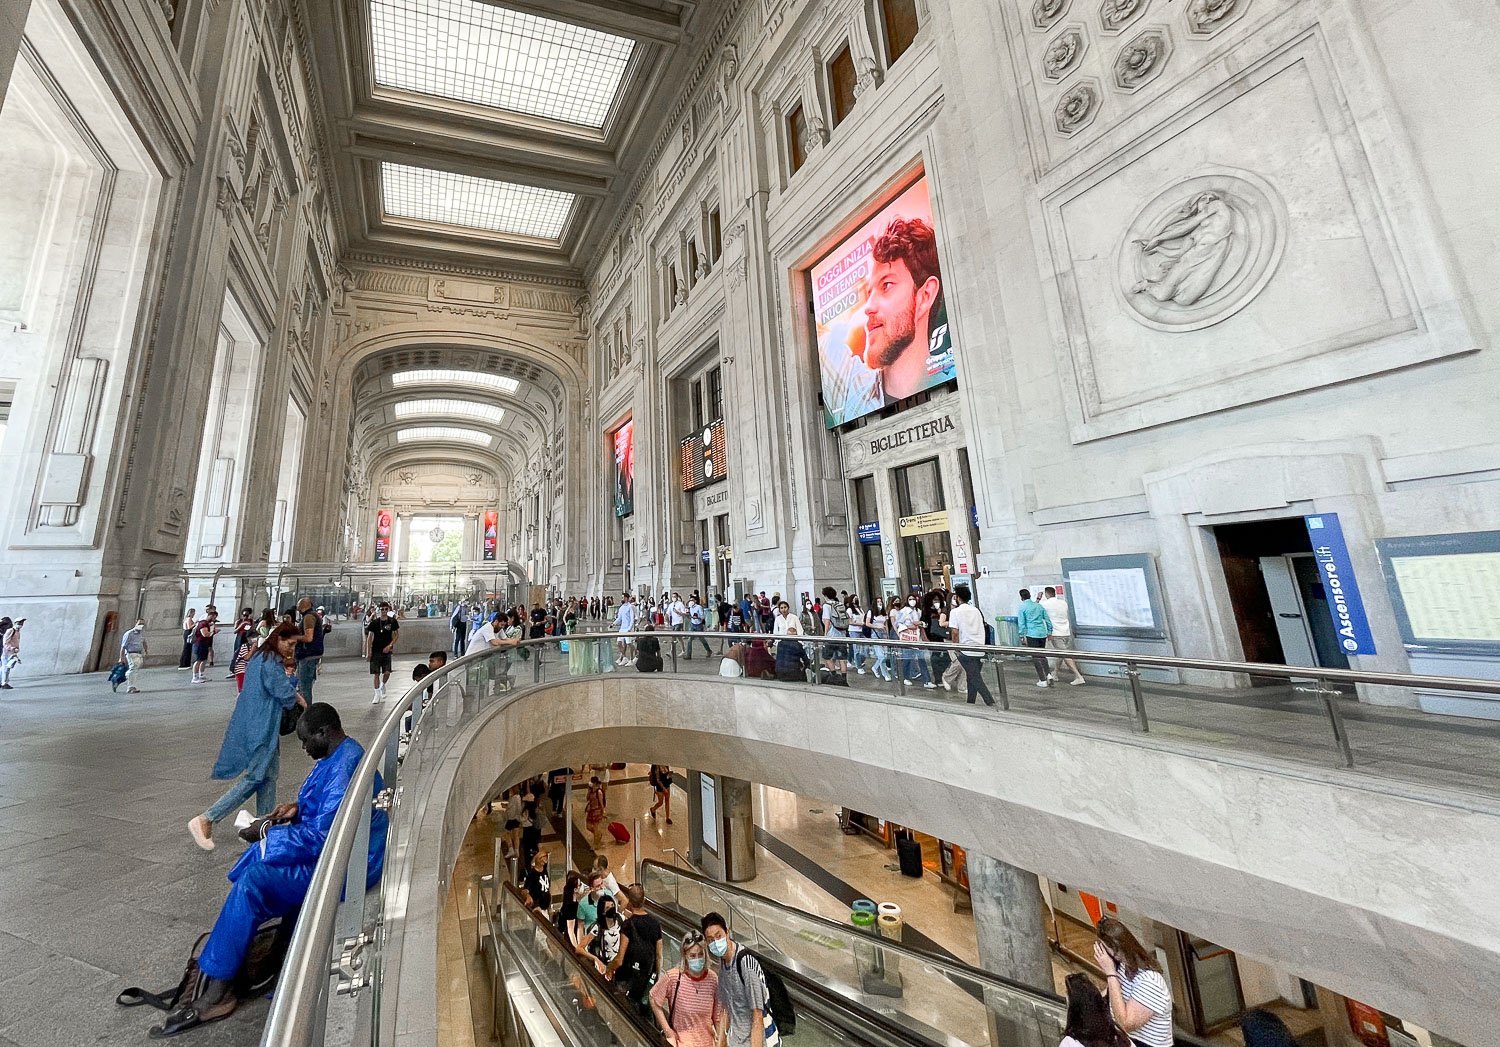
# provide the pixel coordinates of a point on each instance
(100, 886)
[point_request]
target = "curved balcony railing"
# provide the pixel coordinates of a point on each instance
(347, 950)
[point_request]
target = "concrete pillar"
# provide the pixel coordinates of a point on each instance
(1010, 921)
(727, 850)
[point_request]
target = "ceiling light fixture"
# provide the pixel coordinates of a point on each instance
(443, 434)
(450, 408)
(473, 203)
(443, 376)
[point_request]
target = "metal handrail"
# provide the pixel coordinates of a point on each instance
(297, 1003)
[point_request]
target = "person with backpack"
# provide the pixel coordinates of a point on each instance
(635, 967)
(460, 625)
(748, 1017)
(685, 1000)
(967, 624)
(836, 624)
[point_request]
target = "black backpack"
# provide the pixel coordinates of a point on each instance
(780, 1000)
(257, 975)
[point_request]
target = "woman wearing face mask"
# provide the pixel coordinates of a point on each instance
(907, 622)
(602, 941)
(685, 999)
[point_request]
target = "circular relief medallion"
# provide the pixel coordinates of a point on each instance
(1201, 250)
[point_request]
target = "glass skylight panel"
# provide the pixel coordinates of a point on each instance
(474, 203)
(450, 408)
(441, 376)
(475, 52)
(443, 434)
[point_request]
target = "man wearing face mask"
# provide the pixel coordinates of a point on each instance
(272, 877)
(743, 996)
(684, 1000)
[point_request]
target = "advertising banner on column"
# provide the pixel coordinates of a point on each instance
(383, 519)
(624, 447)
(882, 324)
(491, 533)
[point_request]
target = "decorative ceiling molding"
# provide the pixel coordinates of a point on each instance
(455, 269)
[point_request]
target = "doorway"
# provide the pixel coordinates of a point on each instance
(1277, 594)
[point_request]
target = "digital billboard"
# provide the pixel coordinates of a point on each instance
(705, 459)
(623, 439)
(881, 319)
(383, 536)
(491, 533)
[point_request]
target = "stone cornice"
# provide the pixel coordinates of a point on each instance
(454, 269)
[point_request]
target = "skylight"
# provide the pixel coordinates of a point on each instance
(443, 376)
(450, 408)
(473, 203)
(475, 52)
(444, 434)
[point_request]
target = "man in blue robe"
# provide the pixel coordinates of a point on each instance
(272, 877)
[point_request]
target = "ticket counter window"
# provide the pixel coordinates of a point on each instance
(924, 555)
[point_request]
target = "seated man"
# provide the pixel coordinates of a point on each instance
(791, 656)
(648, 652)
(272, 877)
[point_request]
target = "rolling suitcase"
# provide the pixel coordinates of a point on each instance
(619, 832)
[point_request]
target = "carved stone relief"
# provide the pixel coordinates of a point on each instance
(1201, 250)
(1142, 59)
(1045, 13)
(1207, 17)
(1063, 54)
(1115, 15)
(1077, 109)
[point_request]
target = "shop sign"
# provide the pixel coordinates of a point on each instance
(924, 523)
(912, 434)
(869, 533)
(1345, 606)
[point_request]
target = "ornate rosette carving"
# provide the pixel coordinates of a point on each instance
(1207, 17)
(1063, 53)
(1076, 109)
(1141, 59)
(1045, 13)
(1115, 15)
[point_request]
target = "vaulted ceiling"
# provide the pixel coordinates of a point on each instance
(500, 135)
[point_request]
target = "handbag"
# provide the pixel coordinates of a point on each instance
(290, 718)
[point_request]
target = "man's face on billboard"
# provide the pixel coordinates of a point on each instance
(895, 308)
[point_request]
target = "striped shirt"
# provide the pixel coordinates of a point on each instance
(691, 1004)
(1149, 989)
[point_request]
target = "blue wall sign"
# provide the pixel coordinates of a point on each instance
(706, 557)
(869, 533)
(1344, 602)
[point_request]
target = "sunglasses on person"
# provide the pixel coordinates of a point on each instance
(691, 938)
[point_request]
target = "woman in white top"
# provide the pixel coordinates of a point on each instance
(1089, 1023)
(880, 654)
(1140, 1000)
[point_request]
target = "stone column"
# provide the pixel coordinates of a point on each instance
(734, 828)
(1010, 921)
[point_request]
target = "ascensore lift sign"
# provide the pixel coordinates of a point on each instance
(1344, 603)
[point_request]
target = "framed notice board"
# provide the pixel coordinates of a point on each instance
(1115, 596)
(1445, 590)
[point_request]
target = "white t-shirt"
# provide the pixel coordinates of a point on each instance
(480, 638)
(1149, 989)
(1057, 609)
(968, 621)
(782, 622)
(676, 612)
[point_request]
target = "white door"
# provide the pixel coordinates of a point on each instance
(1289, 612)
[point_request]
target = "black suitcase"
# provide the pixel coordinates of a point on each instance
(909, 855)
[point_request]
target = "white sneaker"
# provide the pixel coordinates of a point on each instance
(930, 685)
(375, 699)
(1043, 683)
(947, 686)
(1051, 677)
(1079, 682)
(860, 671)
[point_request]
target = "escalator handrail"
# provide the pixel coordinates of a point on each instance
(977, 974)
(648, 1029)
(831, 998)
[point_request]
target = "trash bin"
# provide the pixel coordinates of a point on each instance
(888, 921)
(1007, 631)
(909, 855)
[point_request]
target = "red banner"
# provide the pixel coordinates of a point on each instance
(491, 533)
(383, 536)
